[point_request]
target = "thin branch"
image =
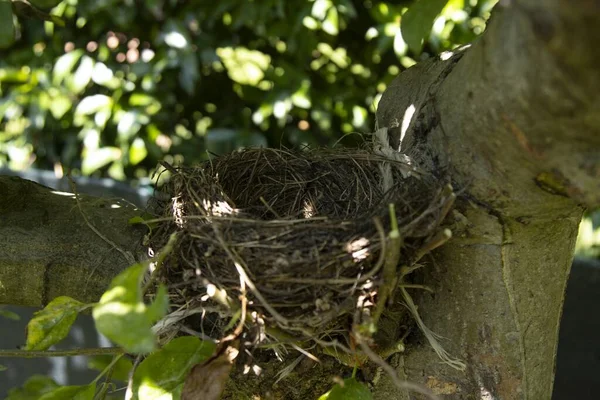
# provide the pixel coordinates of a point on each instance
(97, 351)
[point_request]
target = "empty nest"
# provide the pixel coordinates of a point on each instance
(294, 244)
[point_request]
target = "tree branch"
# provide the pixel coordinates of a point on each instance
(514, 123)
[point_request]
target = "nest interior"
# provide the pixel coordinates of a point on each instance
(295, 241)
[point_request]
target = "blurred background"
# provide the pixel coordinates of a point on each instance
(126, 83)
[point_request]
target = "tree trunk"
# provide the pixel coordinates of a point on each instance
(512, 122)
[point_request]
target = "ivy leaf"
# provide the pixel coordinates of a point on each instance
(85, 392)
(123, 317)
(2, 368)
(417, 22)
(351, 389)
(7, 29)
(52, 324)
(33, 388)
(162, 372)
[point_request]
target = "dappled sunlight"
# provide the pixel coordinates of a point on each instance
(358, 249)
(218, 208)
(66, 194)
(308, 210)
(406, 120)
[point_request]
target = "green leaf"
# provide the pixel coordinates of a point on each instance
(123, 317)
(3, 368)
(137, 151)
(52, 324)
(59, 105)
(417, 22)
(7, 29)
(98, 158)
(33, 388)
(83, 75)
(331, 23)
(165, 370)
(244, 66)
(92, 104)
(121, 368)
(9, 314)
(64, 65)
(351, 389)
(84, 392)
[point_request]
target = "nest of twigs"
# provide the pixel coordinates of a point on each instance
(295, 244)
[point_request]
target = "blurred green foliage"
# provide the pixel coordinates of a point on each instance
(126, 83)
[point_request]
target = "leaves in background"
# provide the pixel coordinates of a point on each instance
(243, 65)
(52, 324)
(418, 20)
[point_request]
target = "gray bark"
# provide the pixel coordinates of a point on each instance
(514, 124)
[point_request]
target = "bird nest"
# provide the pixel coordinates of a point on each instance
(295, 246)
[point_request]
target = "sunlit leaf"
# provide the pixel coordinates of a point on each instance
(95, 159)
(331, 22)
(7, 29)
(14, 75)
(150, 104)
(418, 21)
(92, 104)
(60, 105)
(83, 74)
(244, 66)
(123, 317)
(137, 151)
(64, 65)
(33, 388)
(84, 392)
(166, 369)
(175, 35)
(320, 8)
(350, 389)
(120, 370)
(2, 368)
(52, 324)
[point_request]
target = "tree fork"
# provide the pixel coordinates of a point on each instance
(522, 152)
